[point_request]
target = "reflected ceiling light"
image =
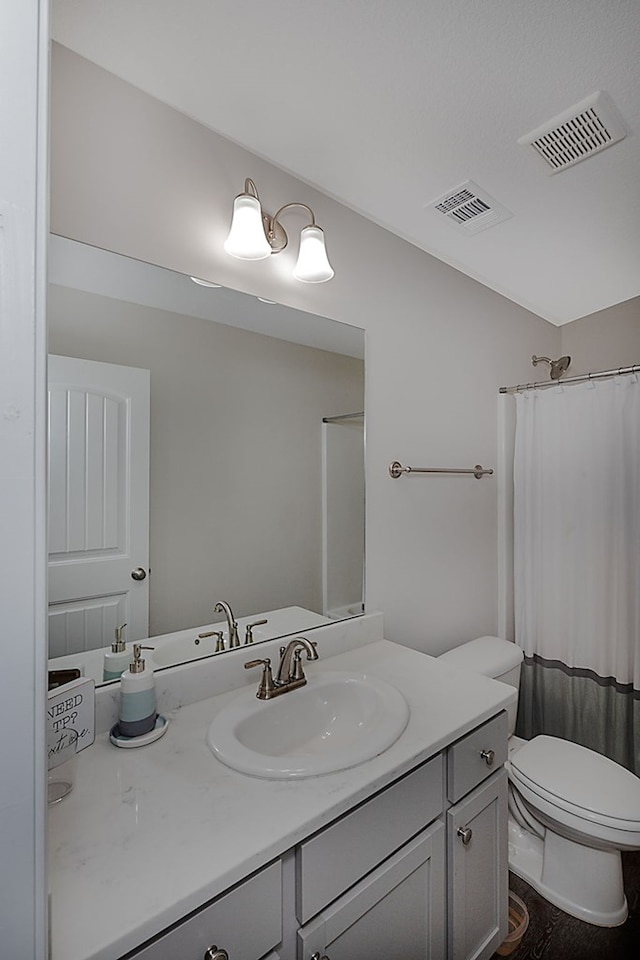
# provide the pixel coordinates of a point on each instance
(255, 235)
(205, 283)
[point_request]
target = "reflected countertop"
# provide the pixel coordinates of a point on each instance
(150, 834)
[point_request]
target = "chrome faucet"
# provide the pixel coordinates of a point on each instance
(222, 607)
(290, 674)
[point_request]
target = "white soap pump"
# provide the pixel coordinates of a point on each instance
(116, 659)
(138, 697)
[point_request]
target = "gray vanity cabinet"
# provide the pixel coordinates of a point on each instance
(417, 872)
(398, 910)
(477, 837)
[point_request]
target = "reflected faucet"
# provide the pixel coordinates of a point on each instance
(223, 607)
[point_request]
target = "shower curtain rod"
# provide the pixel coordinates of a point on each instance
(344, 416)
(599, 375)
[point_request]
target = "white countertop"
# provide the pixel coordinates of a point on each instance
(150, 834)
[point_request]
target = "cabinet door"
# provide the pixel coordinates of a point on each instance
(398, 910)
(477, 836)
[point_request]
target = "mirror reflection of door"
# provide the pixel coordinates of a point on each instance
(98, 503)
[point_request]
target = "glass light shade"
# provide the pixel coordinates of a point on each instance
(313, 264)
(247, 239)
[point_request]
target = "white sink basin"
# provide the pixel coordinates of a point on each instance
(337, 720)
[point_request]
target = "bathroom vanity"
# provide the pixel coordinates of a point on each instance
(164, 852)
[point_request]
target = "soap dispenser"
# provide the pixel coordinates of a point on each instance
(116, 660)
(138, 697)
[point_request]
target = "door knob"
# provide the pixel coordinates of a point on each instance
(465, 834)
(138, 574)
(214, 954)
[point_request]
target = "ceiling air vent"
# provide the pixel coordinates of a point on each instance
(589, 127)
(469, 208)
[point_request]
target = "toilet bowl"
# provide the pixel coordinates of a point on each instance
(571, 810)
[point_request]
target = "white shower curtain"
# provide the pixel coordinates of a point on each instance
(577, 563)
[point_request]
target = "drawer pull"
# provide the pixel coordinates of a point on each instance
(214, 954)
(316, 956)
(489, 757)
(465, 834)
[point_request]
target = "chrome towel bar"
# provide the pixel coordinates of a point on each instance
(396, 470)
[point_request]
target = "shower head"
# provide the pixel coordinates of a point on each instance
(558, 367)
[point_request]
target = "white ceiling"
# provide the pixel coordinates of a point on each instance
(386, 105)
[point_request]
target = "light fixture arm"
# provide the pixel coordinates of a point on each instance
(304, 206)
(250, 188)
(276, 233)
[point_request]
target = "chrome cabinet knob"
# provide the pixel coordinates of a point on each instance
(489, 757)
(465, 834)
(138, 574)
(213, 953)
(316, 956)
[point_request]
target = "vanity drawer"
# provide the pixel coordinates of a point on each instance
(333, 860)
(246, 922)
(476, 756)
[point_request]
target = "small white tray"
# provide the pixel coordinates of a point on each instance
(118, 740)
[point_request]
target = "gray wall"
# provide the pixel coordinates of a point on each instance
(130, 174)
(236, 452)
(604, 340)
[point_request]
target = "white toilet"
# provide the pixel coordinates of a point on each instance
(571, 810)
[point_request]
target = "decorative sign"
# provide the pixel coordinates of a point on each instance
(70, 720)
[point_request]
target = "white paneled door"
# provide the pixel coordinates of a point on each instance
(98, 503)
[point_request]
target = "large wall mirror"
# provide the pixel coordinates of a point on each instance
(204, 447)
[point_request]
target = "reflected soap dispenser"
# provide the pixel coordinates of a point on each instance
(138, 697)
(116, 660)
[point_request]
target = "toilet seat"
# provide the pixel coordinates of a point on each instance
(579, 788)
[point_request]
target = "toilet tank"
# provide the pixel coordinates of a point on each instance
(490, 657)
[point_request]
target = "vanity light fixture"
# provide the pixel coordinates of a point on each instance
(255, 235)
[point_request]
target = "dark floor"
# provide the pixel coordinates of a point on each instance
(553, 935)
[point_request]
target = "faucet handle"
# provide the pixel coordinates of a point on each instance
(212, 633)
(249, 634)
(256, 663)
(297, 671)
(266, 685)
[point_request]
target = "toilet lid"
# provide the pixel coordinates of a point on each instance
(488, 656)
(588, 781)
